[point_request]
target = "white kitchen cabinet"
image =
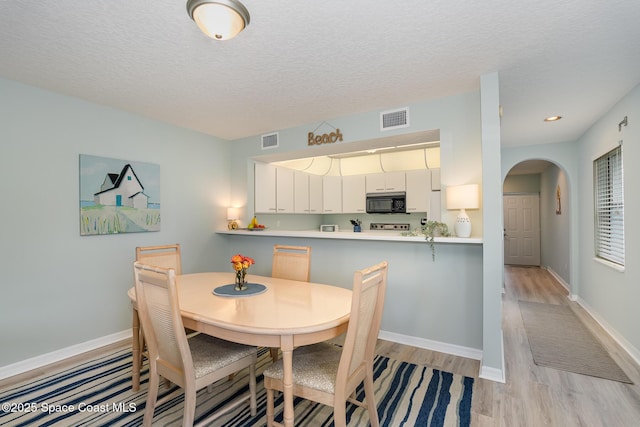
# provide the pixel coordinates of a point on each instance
(307, 193)
(375, 183)
(300, 192)
(264, 188)
(353, 194)
(284, 190)
(435, 205)
(315, 194)
(389, 181)
(418, 190)
(331, 194)
(435, 179)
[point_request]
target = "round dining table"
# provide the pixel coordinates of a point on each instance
(286, 315)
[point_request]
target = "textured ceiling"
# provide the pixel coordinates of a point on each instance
(305, 62)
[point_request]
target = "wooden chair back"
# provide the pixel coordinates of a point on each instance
(291, 262)
(367, 302)
(329, 375)
(158, 308)
(163, 256)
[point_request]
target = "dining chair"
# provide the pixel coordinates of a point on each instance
(165, 256)
(191, 362)
(293, 263)
(329, 374)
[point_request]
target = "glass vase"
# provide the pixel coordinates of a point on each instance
(241, 283)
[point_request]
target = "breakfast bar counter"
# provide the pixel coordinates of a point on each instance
(432, 290)
(389, 236)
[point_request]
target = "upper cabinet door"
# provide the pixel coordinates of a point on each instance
(381, 182)
(307, 193)
(332, 194)
(284, 190)
(353, 194)
(375, 183)
(315, 194)
(435, 179)
(265, 188)
(395, 181)
(300, 192)
(418, 190)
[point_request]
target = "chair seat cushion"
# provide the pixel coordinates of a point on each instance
(210, 354)
(314, 366)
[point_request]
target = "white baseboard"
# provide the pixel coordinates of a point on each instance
(75, 350)
(64, 353)
(495, 374)
(572, 297)
(456, 350)
(633, 352)
(492, 374)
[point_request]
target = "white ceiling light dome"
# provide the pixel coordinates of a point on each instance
(219, 19)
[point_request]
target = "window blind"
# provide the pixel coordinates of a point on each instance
(609, 206)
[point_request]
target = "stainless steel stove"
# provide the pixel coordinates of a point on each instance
(389, 226)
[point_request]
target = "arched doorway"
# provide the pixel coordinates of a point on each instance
(537, 217)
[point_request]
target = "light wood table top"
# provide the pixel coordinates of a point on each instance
(288, 315)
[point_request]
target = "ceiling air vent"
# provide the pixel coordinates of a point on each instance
(270, 140)
(394, 119)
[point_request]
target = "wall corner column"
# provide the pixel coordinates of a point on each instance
(492, 365)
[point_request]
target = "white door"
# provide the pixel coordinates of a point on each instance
(522, 229)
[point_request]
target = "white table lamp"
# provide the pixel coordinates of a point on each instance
(232, 217)
(463, 197)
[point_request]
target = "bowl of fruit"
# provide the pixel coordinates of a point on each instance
(255, 226)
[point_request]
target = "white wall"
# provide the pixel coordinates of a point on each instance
(492, 248)
(555, 228)
(60, 289)
(613, 296)
(529, 183)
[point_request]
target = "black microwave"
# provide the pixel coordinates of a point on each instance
(392, 202)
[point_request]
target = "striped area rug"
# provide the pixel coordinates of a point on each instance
(98, 393)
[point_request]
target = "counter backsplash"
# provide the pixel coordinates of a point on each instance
(313, 222)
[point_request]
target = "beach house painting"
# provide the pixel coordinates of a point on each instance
(118, 196)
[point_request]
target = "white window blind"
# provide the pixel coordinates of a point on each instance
(609, 206)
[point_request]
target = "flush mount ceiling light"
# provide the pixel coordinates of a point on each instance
(219, 19)
(552, 118)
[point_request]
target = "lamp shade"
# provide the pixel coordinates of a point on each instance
(233, 213)
(463, 197)
(219, 19)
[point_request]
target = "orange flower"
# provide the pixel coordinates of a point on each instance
(241, 262)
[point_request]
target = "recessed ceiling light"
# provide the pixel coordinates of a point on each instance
(552, 118)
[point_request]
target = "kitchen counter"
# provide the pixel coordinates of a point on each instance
(391, 236)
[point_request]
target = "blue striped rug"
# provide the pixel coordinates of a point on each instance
(98, 393)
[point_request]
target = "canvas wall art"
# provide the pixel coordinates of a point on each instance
(118, 196)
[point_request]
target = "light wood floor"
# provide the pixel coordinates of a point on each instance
(533, 395)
